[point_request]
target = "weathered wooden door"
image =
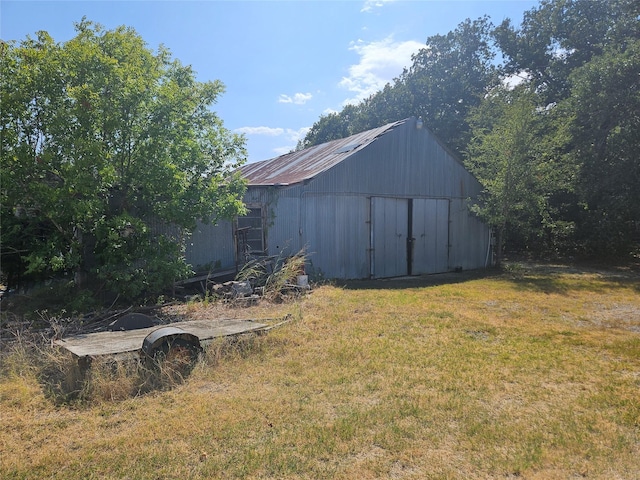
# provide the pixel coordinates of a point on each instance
(429, 236)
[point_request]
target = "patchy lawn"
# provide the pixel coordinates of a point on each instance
(531, 373)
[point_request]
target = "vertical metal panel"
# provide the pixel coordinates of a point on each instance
(469, 238)
(431, 236)
(249, 231)
(389, 223)
(282, 217)
(211, 247)
(336, 232)
(404, 162)
(284, 236)
(171, 231)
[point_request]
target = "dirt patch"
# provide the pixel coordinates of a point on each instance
(622, 316)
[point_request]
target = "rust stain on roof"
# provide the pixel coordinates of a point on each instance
(296, 167)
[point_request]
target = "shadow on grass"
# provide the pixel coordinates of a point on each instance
(420, 281)
(562, 279)
(543, 278)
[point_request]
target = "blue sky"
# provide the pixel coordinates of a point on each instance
(284, 63)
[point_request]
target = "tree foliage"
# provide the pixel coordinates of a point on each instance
(516, 154)
(110, 153)
(561, 35)
(449, 77)
(605, 107)
(581, 59)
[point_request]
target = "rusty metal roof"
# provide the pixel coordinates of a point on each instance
(305, 164)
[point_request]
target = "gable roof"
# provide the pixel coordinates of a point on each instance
(296, 167)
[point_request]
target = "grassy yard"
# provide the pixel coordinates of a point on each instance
(531, 373)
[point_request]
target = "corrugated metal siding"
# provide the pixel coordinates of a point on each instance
(282, 217)
(389, 224)
(405, 163)
(211, 247)
(430, 233)
(469, 238)
(284, 231)
(411, 163)
(336, 231)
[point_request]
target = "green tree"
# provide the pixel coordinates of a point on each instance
(579, 61)
(110, 153)
(605, 121)
(449, 77)
(513, 156)
(559, 36)
(390, 104)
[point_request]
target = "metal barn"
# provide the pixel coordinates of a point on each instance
(387, 202)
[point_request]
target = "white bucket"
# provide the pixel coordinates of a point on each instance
(303, 280)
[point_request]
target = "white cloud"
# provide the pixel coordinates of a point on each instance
(296, 135)
(292, 136)
(287, 138)
(271, 132)
(380, 62)
(297, 99)
(370, 5)
(289, 134)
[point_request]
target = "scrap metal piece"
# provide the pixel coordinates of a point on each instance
(164, 338)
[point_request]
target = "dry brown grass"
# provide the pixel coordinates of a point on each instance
(533, 373)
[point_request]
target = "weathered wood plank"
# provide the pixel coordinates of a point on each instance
(110, 343)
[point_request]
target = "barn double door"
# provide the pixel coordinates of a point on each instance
(409, 236)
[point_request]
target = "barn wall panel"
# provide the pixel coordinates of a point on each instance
(336, 232)
(211, 247)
